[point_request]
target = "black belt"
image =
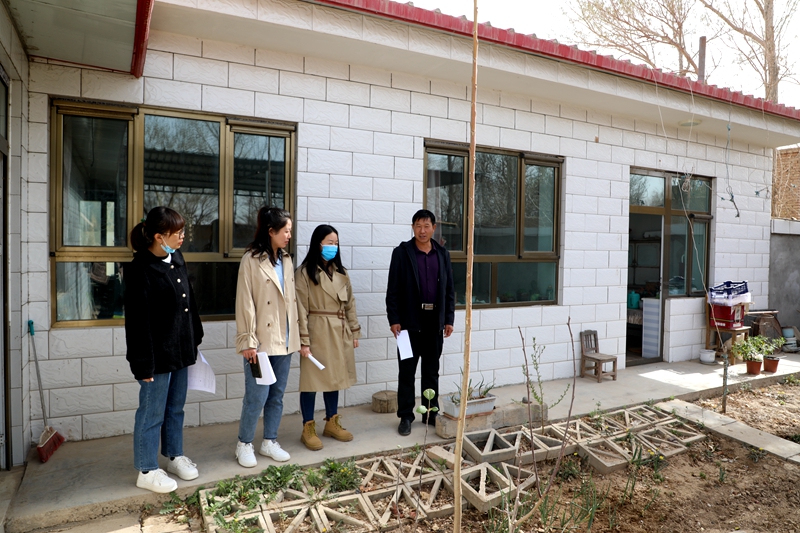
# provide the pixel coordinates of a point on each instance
(427, 307)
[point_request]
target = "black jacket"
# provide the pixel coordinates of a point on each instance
(403, 300)
(162, 325)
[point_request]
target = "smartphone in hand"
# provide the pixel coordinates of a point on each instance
(255, 368)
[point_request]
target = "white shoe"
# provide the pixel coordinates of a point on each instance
(157, 481)
(246, 455)
(183, 467)
(271, 448)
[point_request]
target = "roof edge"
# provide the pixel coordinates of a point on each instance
(418, 16)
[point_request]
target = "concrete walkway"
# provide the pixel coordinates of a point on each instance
(87, 480)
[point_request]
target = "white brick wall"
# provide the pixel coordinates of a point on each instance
(360, 166)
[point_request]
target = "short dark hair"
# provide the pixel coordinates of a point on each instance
(424, 214)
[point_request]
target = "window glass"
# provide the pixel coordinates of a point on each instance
(214, 286)
(540, 196)
(496, 180)
(259, 178)
(445, 198)
(481, 283)
(526, 282)
(647, 190)
(690, 194)
(699, 247)
(88, 291)
(677, 256)
(94, 181)
(181, 171)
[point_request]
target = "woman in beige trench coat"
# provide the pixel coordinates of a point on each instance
(329, 331)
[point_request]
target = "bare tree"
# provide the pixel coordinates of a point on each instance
(757, 34)
(659, 33)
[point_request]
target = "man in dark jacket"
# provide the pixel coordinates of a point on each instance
(420, 298)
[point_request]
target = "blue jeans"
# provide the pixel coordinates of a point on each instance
(307, 400)
(266, 397)
(160, 415)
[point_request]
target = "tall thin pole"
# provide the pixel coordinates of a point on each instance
(701, 62)
(462, 407)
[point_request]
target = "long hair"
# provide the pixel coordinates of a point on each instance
(314, 256)
(269, 218)
(161, 220)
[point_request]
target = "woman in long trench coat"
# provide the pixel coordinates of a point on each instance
(329, 330)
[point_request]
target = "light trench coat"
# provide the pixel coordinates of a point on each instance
(262, 308)
(328, 325)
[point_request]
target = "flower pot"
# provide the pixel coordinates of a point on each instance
(753, 367)
(771, 364)
(476, 406)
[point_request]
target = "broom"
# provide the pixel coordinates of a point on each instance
(50, 439)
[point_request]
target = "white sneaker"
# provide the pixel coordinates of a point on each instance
(156, 481)
(271, 448)
(246, 455)
(183, 467)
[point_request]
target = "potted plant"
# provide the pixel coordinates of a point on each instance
(753, 349)
(770, 359)
(479, 401)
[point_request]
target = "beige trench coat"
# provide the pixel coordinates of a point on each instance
(328, 325)
(262, 308)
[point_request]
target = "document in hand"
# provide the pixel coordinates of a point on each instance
(267, 375)
(201, 376)
(404, 345)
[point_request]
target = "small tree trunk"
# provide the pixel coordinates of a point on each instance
(462, 406)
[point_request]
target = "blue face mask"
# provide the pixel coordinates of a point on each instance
(329, 251)
(167, 249)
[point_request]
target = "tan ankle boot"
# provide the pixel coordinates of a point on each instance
(309, 436)
(334, 429)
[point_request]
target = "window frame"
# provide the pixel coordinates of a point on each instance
(667, 211)
(228, 127)
(525, 159)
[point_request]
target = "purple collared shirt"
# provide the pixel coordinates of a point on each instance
(428, 268)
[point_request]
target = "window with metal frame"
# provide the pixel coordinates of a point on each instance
(112, 164)
(684, 201)
(516, 214)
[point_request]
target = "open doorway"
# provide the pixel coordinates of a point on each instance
(644, 289)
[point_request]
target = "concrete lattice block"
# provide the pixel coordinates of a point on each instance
(489, 446)
(376, 472)
(389, 506)
(576, 430)
(651, 413)
(521, 479)
(604, 455)
(350, 511)
(629, 419)
(291, 519)
(661, 441)
(529, 448)
(484, 487)
(553, 440)
(433, 495)
(685, 433)
(286, 498)
(409, 465)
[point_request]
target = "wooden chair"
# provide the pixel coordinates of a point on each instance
(592, 360)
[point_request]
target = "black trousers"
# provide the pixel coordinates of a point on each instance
(426, 345)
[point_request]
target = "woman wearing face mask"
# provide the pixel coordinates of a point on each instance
(162, 333)
(329, 331)
(266, 321)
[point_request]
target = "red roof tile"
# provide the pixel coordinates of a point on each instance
(528, 43)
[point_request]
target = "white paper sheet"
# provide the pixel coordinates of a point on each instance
(201, 376)
(317, 363)
(404, 345)
(267, 375)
